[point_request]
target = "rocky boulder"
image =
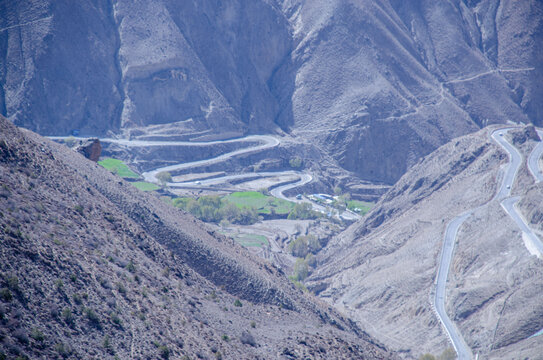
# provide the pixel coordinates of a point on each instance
(90, 148)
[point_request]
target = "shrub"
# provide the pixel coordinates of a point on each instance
(5, 294)
(67, 316)
(130, 266)
(247, 338)
(115, 319)
(164, 352)
(238, 303)
(92, 317)
(302, 211)
(301, 269)
(253, 324)
(311, 260)
(70, 141)
(59, 284)
(63, 350)
(12, 282)
(295, 162)
(77, 298)
(427, 357)
(225, 338)
(37, 335)
(79, 209)
(121, 289)
(448, 354)
(21, 336)
(107, 344)
(164, 177)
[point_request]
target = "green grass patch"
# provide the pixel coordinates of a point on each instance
(251, 240)
(145, 186)
(364, 206)
(118, 167)
(264, 204)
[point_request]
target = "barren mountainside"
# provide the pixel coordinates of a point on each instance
(93, 268)
(382, 270)
(374, 84)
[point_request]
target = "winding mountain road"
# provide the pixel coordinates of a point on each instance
(503, 194)
(509, 203)
(266, 142)
(515, 160)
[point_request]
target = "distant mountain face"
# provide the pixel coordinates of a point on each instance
(376, 84)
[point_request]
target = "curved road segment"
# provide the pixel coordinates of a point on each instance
(515, 159)
(269, 142)
(459, 344)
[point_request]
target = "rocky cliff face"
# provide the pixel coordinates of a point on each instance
(376, 84)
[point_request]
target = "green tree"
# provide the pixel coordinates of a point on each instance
(194, 208)
(301, 269)
(448, 354)
(302, 211)
(313, 244)
(164, 177)
(427, 357)
(296, 162)
(231, 212)
(248, 216)
(311, 260)
(299, 247)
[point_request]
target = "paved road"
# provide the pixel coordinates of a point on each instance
(509, 203)
(278, 191)
(515, 160)
(146, 143)
(459, 344)
(223, 179)
(533, 159)
(268, 143)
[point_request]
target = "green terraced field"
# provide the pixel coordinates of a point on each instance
(145, 186)
(364, 206)
(251, 240)
(262, 203)
(118, 167)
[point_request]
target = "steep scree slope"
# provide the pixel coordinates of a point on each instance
(92, 268)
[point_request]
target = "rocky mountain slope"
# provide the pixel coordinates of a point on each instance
(382, 269)
(374, 84)
(93, 268)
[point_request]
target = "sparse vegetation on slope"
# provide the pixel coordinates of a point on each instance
(93, 268)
